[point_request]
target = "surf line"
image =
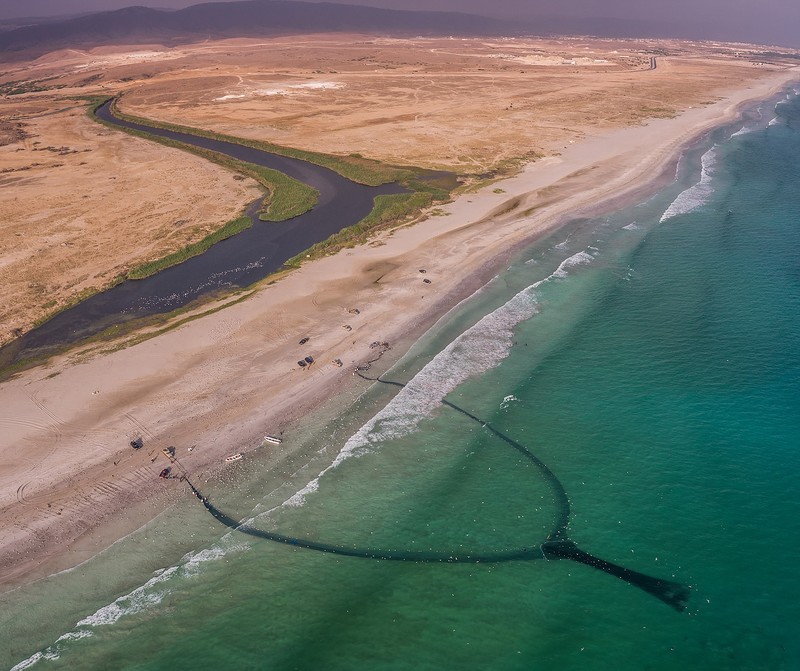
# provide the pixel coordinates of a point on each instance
(557, 545)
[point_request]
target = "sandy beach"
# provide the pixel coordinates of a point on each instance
(69, 482)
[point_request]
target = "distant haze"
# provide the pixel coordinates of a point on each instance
(767, 21)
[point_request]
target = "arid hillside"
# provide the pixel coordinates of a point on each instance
(81, 203)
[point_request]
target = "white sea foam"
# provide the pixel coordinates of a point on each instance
(299, 498)
(136, 601)
(151, 593)
(744, 130)
(507, 401)
(697, 195)
(194, 560)
(28, 663)
(579, 259)
(479, 348)
(774, 122)
(633, 226)
(74, 635)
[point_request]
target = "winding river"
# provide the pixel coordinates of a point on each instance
(235, 262)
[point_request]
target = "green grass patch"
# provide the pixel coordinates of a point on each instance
(72, 302)
(152, 267)
(389, 210)
(286, 197)
(354, 166)
(115, 332)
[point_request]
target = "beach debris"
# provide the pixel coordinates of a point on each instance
(347, 327)
(169, 453)
(423, 271)
(309, 360)
(382, 348)
(354, 311)
(137, 443)
(233, 457)
(189, 449)
(301, 363)
(303, 341)
(426, 280)
(337, 362)
(273, 439)
(165, 473)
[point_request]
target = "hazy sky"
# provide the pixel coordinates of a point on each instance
(764, 21)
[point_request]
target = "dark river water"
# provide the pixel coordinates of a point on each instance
(236, 262)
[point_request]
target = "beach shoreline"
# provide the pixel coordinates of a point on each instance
(69, 483)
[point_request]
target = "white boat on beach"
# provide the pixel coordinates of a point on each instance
(273, 440)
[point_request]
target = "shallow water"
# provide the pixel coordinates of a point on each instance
(651, 359)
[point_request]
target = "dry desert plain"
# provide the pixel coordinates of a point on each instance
(538, 130)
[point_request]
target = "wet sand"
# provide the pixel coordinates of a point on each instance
(69, 482)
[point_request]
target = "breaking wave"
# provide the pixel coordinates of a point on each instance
(744, 130)
(697, 195)
(479, 348)
(147, 595)
(507, 401)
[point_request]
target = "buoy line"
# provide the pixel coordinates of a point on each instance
(556, 546)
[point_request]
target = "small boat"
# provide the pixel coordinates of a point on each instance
(309, 360)
(337, 362)
(233, 457)
(301, 363)
(273, 439)
(303, 341)
(137, 443)
(169, 453)
(165, 473)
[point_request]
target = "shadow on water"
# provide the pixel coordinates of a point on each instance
(235, 262)
(557, 545)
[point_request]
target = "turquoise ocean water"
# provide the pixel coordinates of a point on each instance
(651, 359)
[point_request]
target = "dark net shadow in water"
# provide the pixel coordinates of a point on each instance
(556, 546)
